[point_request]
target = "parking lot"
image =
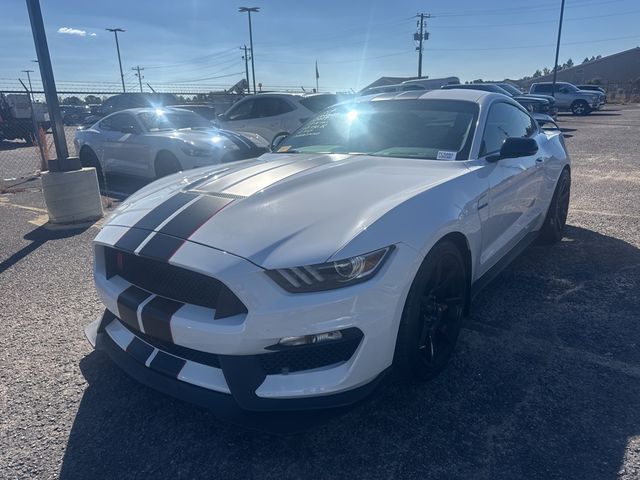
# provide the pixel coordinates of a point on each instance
(545, 382)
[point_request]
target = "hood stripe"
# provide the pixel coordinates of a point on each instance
(166, 242)
(266, 179)
(247, 181)
(139, 232)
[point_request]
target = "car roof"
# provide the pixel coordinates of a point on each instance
(137, 110)
(469, 95)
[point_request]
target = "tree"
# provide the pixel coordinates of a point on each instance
(537, 73)
(586, 60)
(598, 57)
(596, 81)
(92, 99)
(72, 101)
(479, 80)
(592, 59)
(546, 71)
(569, 63)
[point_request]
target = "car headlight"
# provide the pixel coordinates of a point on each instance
(331, 275)
(197, 152)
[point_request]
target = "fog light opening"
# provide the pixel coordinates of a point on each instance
(310, 339)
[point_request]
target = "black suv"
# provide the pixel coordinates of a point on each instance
(136, 100)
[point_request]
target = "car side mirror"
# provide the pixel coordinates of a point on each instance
(277, 140)
(128, 129)
(514, 147)
(221, 116)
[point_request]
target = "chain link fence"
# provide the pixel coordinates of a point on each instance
(26, 142)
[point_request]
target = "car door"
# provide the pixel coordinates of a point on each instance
(237, 116)
(128, 150)
(266, 116)
(514, 183)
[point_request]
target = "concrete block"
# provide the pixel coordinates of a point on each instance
(72, 197)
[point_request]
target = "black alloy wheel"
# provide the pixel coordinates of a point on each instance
(433, 314)
(554, 224)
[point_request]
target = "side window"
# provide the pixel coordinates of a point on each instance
(269, 107)
(241, 111)
(543, 89)
(504, 121)
(117, 122)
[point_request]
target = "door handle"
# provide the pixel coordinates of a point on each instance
(540, 160)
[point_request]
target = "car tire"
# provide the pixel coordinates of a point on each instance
(554, 223)
(88, 158)
(580, 107)
(432, 315)
(166, 163)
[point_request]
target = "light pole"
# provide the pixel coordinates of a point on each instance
(29, 72)
(555, 65)
(115, 32)
(253, 69)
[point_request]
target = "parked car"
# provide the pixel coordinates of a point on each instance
(569, 97)
(152, 143)
(594, 88)
(270, 113)
(125, 101)
(532, 104)
(515, 91)
(391, 89)
(74, 114)
(432, 83)
(300, 279)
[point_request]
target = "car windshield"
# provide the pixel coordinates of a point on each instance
(426, 129)
(570, 87)
(164, 120)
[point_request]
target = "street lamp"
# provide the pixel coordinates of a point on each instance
(555, 65)
(253, 69)
(115, 32)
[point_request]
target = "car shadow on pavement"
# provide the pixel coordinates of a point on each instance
(544, 384)
(38, 237)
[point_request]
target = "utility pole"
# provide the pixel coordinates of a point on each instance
(28, 72)
(555, 65)
(253, 68)
(246, 67)
(139, 75)
(420, 37)
(115, 32)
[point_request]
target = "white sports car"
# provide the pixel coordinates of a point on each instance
(297, 280)
(152, 143)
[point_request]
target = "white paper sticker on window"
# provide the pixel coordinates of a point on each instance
(446, 155)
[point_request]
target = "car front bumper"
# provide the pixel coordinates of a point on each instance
(237, 350)
(243, 373)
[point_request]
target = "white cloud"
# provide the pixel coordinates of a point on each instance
(92, 34)
(74, 31)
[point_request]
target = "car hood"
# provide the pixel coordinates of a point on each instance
(526, 98)
(216, 138)
(285, 210)
(549, 98)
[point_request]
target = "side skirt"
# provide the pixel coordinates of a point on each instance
(509, 257)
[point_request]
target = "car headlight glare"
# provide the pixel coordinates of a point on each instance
(330, 275)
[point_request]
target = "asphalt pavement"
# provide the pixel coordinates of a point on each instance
(545, 382)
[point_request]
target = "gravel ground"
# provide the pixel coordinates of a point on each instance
(545, 383)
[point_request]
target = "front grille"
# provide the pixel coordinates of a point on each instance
(173, 282)
(307, 357)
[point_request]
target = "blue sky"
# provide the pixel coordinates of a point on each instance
(354, 42)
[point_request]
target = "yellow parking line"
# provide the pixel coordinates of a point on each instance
(5, 202)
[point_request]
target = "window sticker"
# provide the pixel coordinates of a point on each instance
(284, 149)
(446, 155)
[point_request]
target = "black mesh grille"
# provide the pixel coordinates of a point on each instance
(307, 357)
(173, 282)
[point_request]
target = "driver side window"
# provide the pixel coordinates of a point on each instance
(117, 122)
(241, 111)
(504, 120)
